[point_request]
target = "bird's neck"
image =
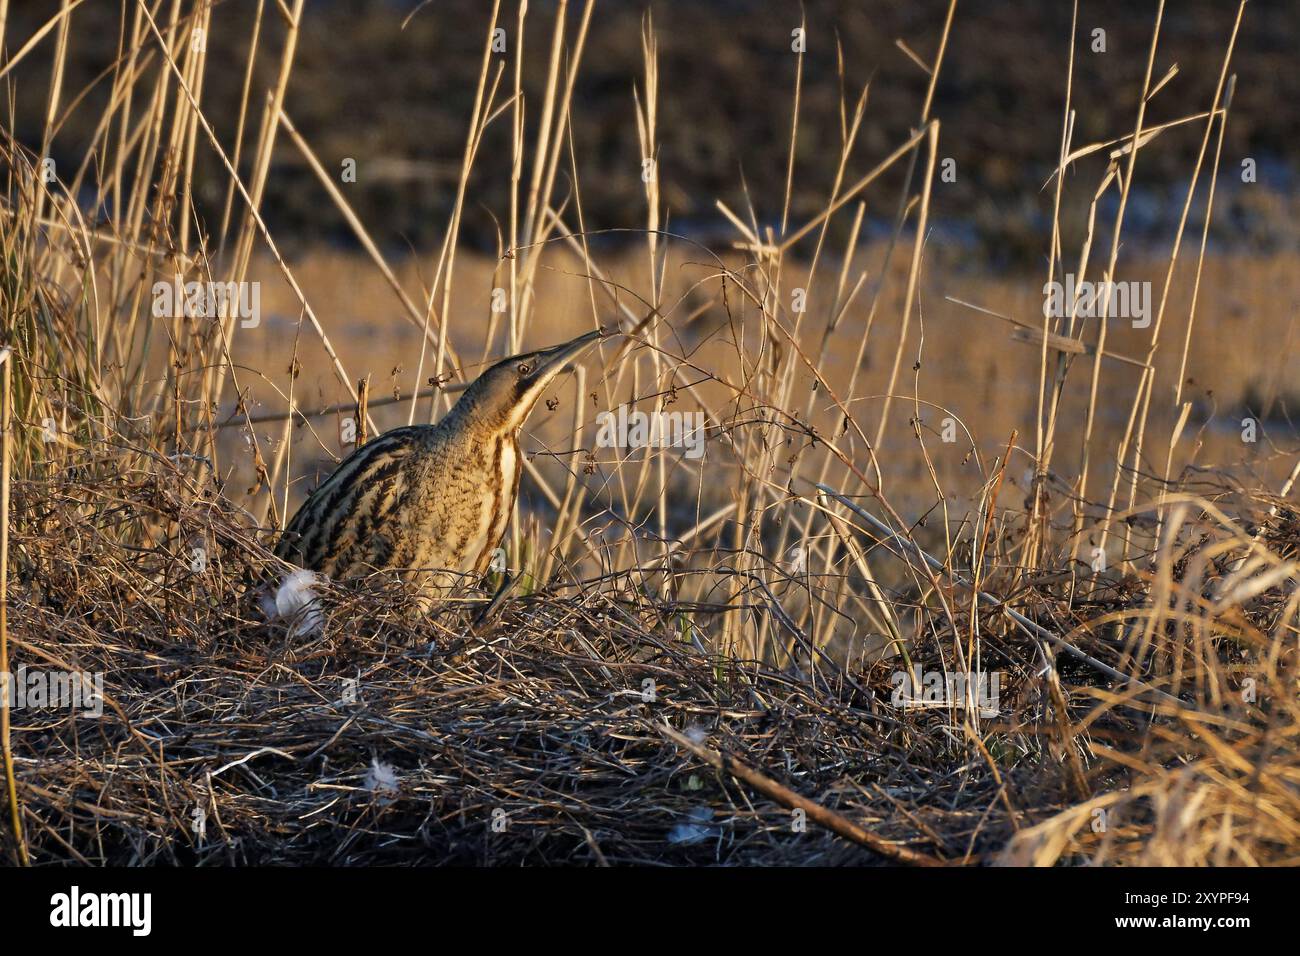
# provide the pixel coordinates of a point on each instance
(505, 462)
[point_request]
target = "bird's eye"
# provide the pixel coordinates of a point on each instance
(524, 368)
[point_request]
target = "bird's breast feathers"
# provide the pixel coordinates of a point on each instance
(406, 501)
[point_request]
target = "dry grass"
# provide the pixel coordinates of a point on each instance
(547, 718)
(1126, 569)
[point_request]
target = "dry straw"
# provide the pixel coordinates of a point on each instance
(696, 663)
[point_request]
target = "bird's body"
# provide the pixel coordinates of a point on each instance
(429, 502)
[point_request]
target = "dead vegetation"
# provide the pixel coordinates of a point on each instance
(699, 661)
(550, 735)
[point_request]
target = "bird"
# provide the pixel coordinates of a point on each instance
(430, 503)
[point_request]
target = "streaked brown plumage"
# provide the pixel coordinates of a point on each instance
(429, 502)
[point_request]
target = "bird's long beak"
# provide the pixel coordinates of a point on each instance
(552, 361)
(545, 366)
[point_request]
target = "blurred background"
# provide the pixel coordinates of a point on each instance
(390, 86)
(396, 95)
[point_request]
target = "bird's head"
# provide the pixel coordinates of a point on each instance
(506, 393)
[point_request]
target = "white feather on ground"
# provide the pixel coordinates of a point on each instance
(381, 780)
(296, 602)
(695, 829)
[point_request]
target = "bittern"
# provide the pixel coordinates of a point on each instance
(430, 502)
